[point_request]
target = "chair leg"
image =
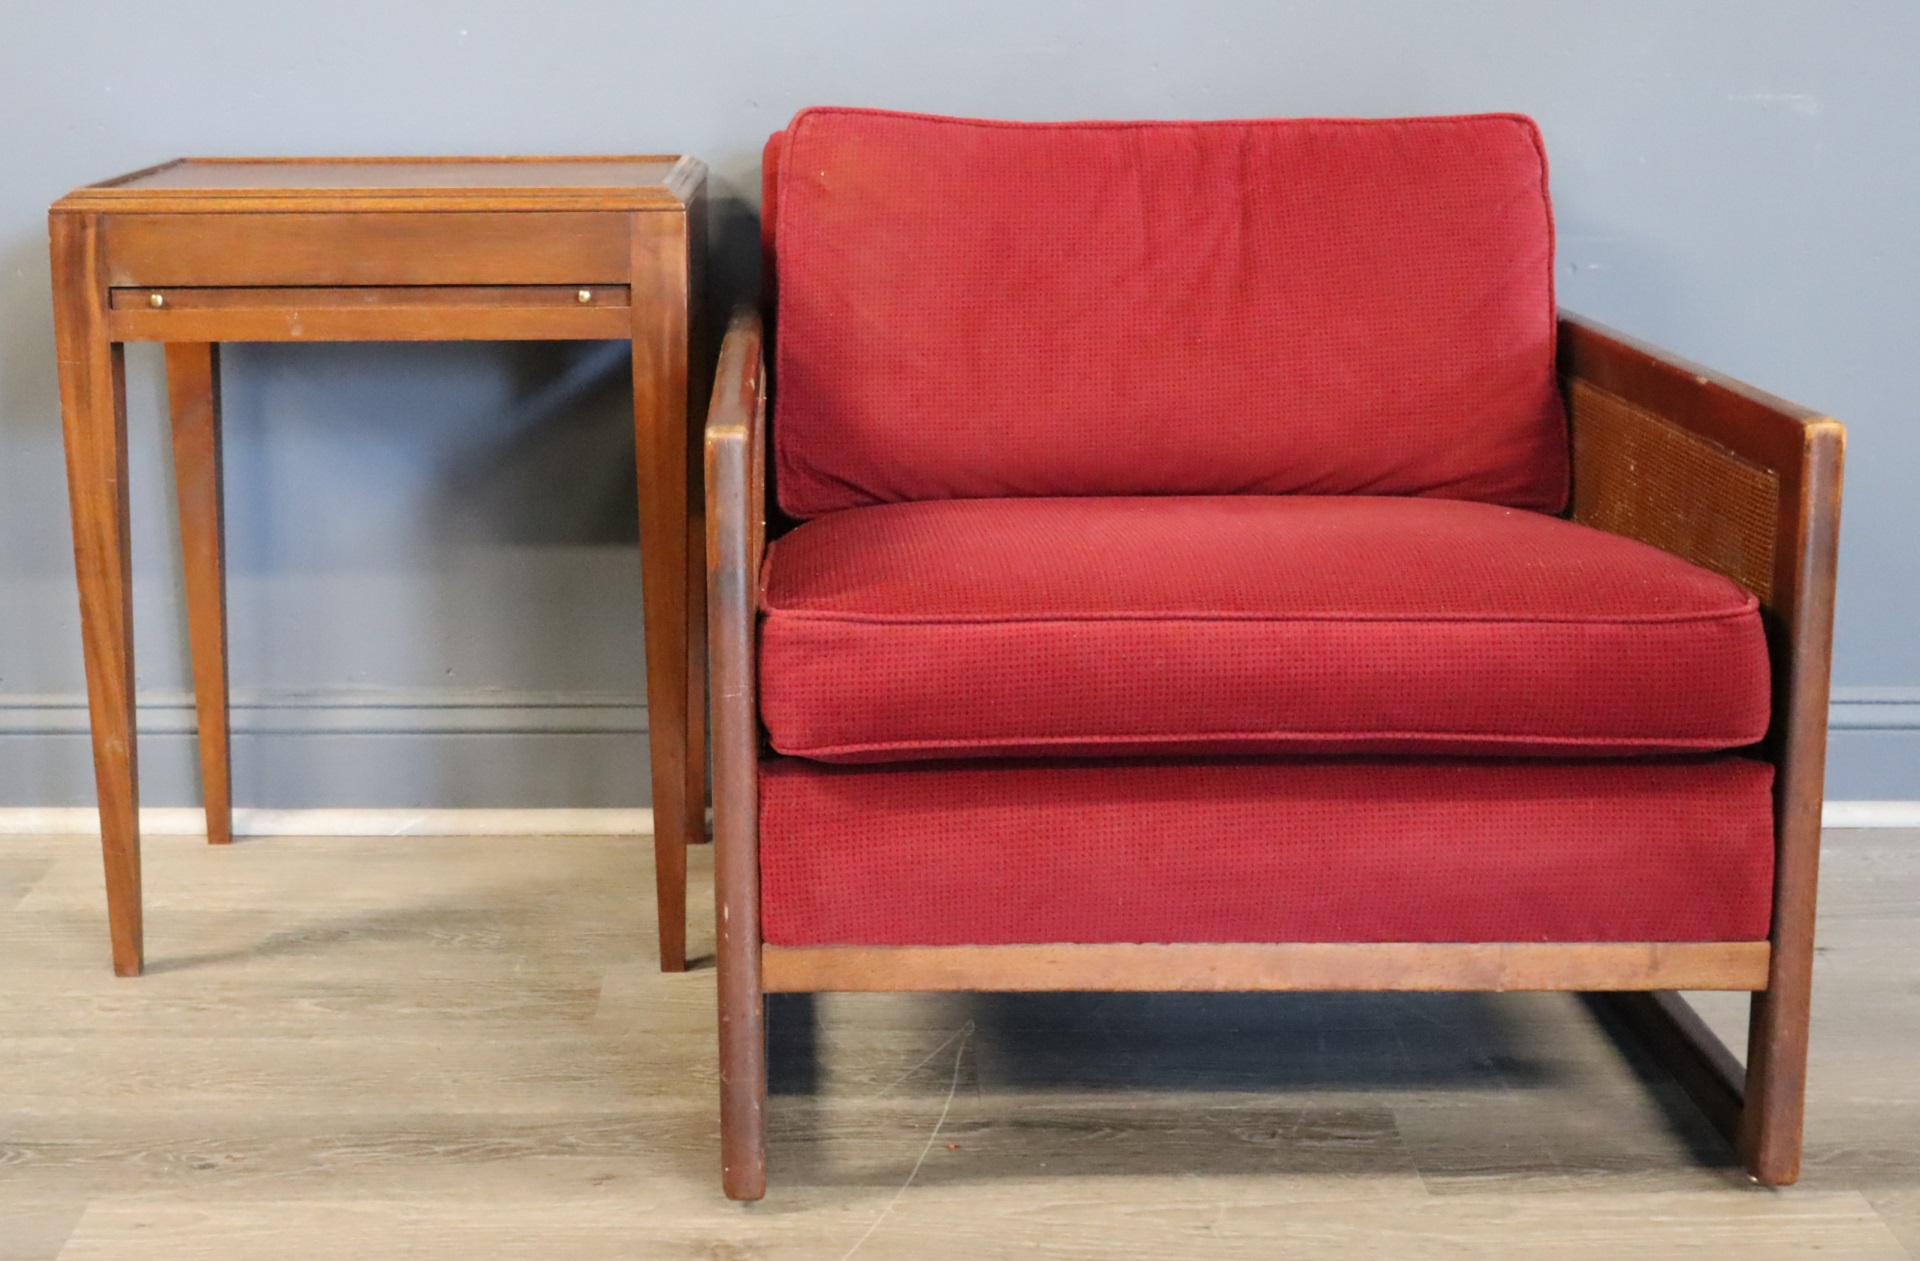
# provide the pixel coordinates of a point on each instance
(1776, 1079)
(1758, 1110)
(1772, 1121)
(743, 1097)
(743, 1005)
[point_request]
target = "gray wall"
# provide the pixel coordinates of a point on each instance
(435, 590)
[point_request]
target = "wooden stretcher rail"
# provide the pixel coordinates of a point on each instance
(1734, 965)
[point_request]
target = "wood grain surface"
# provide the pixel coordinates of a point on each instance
(736, 494)
(269, 185)
(335, 249)
(196, 252)
(93, 411)
(662, 313)
(464, 1048)
(1733, 965)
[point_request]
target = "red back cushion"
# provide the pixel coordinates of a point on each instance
(974, 309)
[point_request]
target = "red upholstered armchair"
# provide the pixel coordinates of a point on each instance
(1204, 560)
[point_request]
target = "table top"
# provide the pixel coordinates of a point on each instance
(646, 182)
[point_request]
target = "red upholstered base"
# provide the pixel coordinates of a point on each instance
(1429, 851)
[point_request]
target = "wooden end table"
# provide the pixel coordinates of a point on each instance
(200, 251)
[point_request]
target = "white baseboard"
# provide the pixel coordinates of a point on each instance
(189, 821)
(1871, 814)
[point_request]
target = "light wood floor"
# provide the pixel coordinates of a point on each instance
(460, 1049)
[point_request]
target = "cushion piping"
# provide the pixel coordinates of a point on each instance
(1703, 744)
(962, 619)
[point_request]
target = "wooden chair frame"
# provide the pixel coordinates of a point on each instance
(1700, 465)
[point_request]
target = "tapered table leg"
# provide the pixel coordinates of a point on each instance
(94, 421)
(193, 394)
(696, 668)
(660, 296)
(703, 349)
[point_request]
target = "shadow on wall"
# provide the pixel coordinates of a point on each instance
(562, 470)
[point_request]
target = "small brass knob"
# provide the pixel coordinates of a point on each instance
(585, 295)
(157, 300)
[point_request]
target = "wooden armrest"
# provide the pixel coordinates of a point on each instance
(736, 538)
(736, 541)
(736, 454)
(1701, 465)
(1746, 484)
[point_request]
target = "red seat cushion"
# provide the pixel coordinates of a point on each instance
(978, 309)
(1285, 624)
(1265, 852)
